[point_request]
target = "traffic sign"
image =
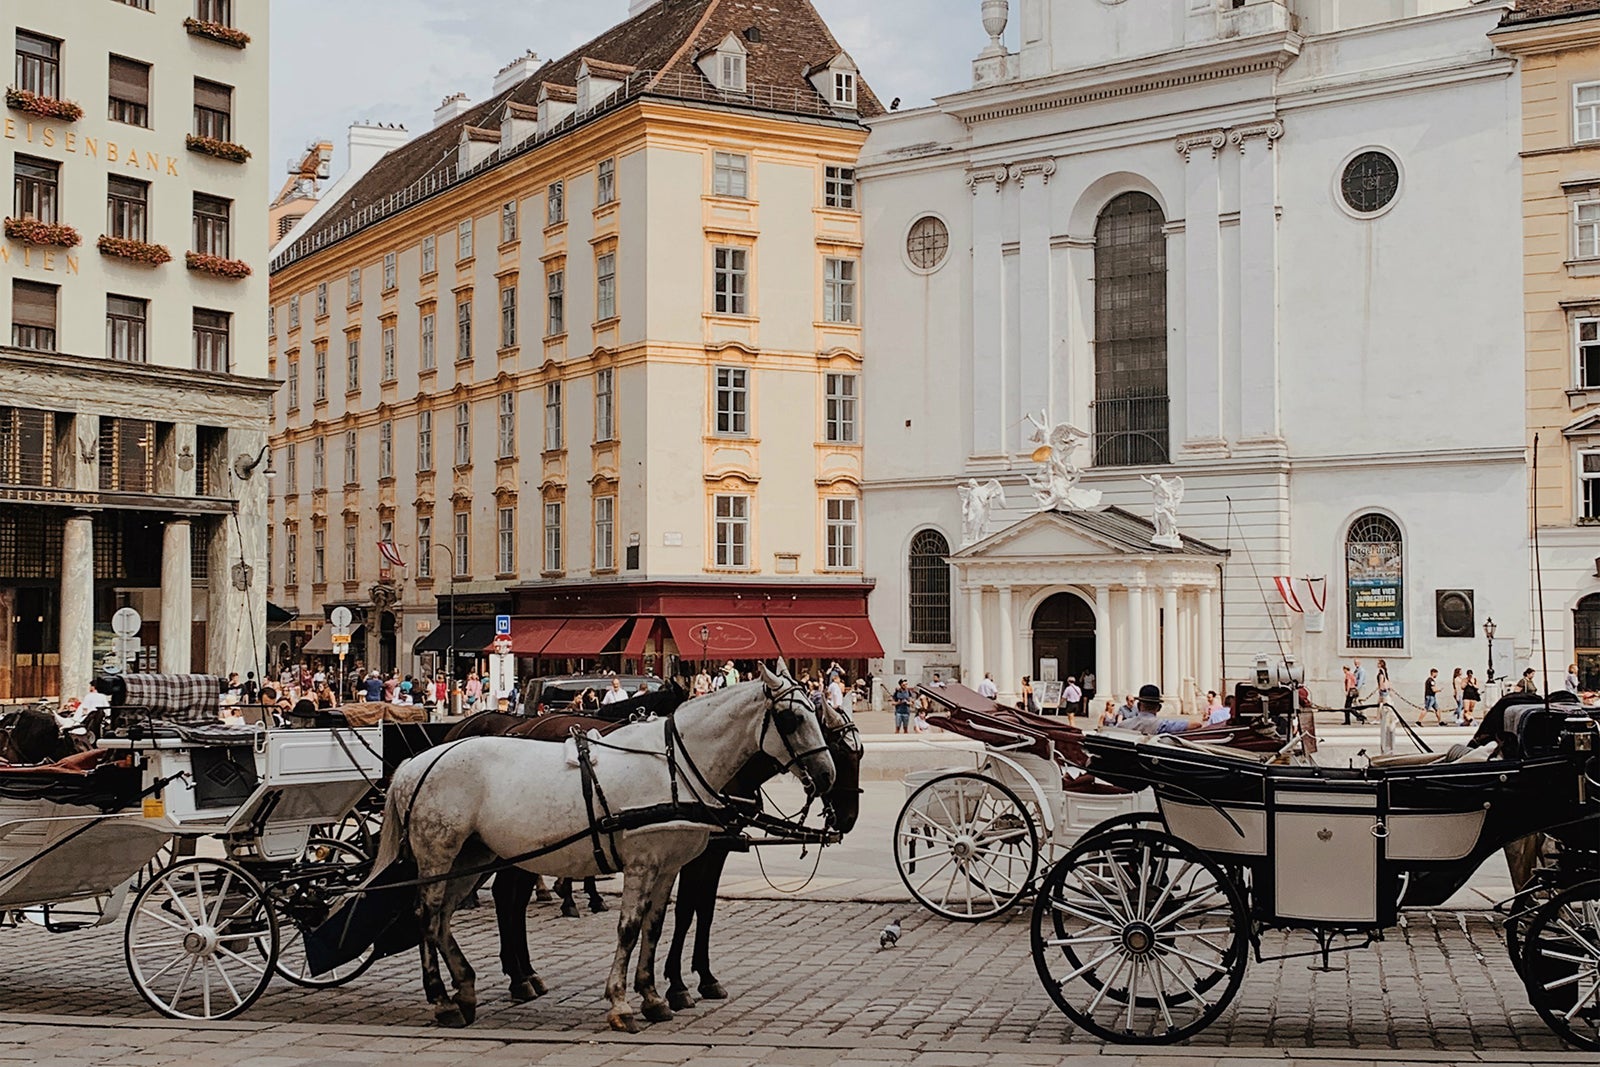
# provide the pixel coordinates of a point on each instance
(341, 640)
(126, 622)
(502, 625)
(340, 616)
(502, 647)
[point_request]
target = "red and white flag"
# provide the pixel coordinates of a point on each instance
(1318, 588)
(1285, 585)
(390, 553)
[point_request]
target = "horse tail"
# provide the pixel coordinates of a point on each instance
(392, 833)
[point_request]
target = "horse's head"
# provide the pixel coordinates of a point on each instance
(792, 735)
(842, 804)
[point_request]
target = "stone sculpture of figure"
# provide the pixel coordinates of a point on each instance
(976, 503)
(1056, 483)
(1168, 494)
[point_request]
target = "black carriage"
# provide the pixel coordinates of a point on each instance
(1141, 933)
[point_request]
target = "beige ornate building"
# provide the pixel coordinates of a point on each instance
(588, 353)
(133, 394)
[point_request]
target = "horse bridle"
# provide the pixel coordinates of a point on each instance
(784, 709)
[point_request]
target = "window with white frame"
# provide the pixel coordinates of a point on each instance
(605, 538)
(839, 187)
(1586, 229)
(731, 281)
(554, 437)
(508, 316)
(733, 401)
(508, 426)
(430, 254)
(464, 239)
(730, 174)
(294, 312)
(844, 88)
(388, 271)
(552, 535)
(463, 539)
(291, 557)
(606, 182)
(272, 323)
(424, 441)
(556, 287)
(386, 534)
(605, 270)
(556, 203)
(841, 523)
(508, 222)
(350, 551)
(732, 535)
(388, 367)
(427, 356)
(293, 385)
(464, 331)
(352, 458)
(1586, 112)
(605, 427)
(840, 408)
(1586, 334)
(352, 363)
(322, 299)
(839, 291)
(1589, 486)
(319, 371)
(506, 534)
(291, 463)
(731, 72)
(319, 463)
(424, 546)
(386, 449)
(319, 557)
(463, 434)
(353, 289)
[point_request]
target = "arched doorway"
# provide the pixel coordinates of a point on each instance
(1063, 631)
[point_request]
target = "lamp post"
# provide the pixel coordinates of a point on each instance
(1488, 633)
(705, 637)
(450, 649)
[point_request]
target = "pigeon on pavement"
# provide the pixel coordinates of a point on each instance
(890, 935)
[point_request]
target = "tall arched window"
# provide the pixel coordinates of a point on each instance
(1374, 559)
(1130, 333)
(930, 589)
(1586, 636)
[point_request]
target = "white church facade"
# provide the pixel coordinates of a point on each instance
(1268, 247)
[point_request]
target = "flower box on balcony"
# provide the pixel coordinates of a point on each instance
(210, 146)
(216, 31)
(46, 107)
(34, 232)
(217, 265)
(151, 255)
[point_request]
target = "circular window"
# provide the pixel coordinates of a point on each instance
(928, 243)
(1370, 182)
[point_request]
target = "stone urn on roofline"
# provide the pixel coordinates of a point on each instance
(996, 14)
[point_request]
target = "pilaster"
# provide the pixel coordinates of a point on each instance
(1202, 310)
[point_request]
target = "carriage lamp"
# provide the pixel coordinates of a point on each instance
(1488, 633)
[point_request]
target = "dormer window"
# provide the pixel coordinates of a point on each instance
(726, 65)
(835, 81)
(731, 71)
(844, 88)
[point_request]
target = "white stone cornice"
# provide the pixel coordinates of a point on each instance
(1186, 144)
(1268, 132)
(1043, 167)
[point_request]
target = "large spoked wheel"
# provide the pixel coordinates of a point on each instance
(966, 847)
(1139, 937)
(1561, 964)
(304, 899)
(194, 939)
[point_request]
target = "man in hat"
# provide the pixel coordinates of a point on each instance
(1146, 718)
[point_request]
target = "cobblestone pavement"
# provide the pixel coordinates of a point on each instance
(811, 975)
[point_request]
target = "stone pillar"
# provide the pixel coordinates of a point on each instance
(1258, 283)
(77, 606)
(1136, 663)
(1008, 652)
(1185, 641)
(1036, 299)
(972, 646)
(988, 304)
(177, 598)
(1171, 676)
(1207, 672)
(1104, 675)
(1202, 354)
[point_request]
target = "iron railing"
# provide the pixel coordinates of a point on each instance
(1130, 431)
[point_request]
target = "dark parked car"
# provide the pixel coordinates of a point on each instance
(554, 694)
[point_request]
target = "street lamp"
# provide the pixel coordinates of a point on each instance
(705, 637)
(1488, 633)
(450, 649)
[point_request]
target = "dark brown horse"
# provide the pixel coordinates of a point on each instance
(33, 736)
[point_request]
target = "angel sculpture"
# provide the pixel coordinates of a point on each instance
(1168, 494)
(976, 503)
(1056, 483)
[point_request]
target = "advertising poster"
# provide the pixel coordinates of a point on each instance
(1375, 589)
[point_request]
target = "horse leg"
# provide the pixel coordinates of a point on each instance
(711, 989)
(644, 976)
(569, 907)
(689, 883)
(541, 891)
(596, 904)
(461, 973)
(513, 888)
(629, 922)
(430, 904)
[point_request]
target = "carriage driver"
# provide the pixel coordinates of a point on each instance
(1146, 718)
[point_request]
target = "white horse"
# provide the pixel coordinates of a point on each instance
(458, 807)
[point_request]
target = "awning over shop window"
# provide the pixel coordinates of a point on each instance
(638, 637)
(321, 644)
(469, 638)
(583, 637)
(276, 614)
(825, 638)
(724, 638)
(529, 636)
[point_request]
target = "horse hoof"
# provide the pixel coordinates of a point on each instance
(544, 896)
(679, 999)
(596, 906)
(569, 911)
(623, 1024)
(450, 1015)
(658, 1012)
(527, 990)
(713, 990)
(539, 988)
(469, 1011)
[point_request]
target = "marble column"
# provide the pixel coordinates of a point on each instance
(1008, 630)
(1105, 675)
(77, 606)
(988, 304)
(177, 597)
(1135, 672)
(1152, 639)
(972, 646)
(1202, 341)
(1185, 642)
(1171, 675)
(1258, 283)
(1036, 297)
(1207, 672)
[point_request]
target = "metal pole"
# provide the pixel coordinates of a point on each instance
(451, 689)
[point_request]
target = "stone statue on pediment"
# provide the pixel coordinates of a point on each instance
(1055, 485)
(1168, 493)
(977, 501)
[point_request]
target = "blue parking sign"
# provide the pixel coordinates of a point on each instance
(502, 625)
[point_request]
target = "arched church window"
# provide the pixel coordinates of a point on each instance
(1375, 583)
(1586, 637)
(1130, 333)
(930, 589)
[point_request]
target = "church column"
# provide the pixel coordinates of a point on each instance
(1104, 675)
(1135, 672)
(1207, 672)
(988, 308)
(1152, 635)
(1258, 282)
(77, 605)
(1202, 352)
(177, 597)
(972, 647)
(1186, 640)
(1037, 295)
(1008, 630)
(1171, 675)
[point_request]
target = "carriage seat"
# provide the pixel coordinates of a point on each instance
(1408, 759)
(1225, 751)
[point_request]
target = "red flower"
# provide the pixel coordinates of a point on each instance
(44, 106)
(152, 255)
(34, 232)
(216, 31)
(220, 266)
(211, 146)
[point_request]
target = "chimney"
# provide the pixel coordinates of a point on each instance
(515, 72)
(371, 141)
(452, 106)
(636, 6)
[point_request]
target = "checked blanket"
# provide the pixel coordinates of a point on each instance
(179, 698)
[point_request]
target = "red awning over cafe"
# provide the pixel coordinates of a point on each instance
(823, 638)
(724, 638)
(583, 637)
(638, 637)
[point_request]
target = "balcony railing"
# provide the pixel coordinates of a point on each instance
(1130, 431)
(445, 174)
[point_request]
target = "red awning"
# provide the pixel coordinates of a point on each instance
(638, 637)
(583, 637)
(529, 636)
(724, 639)
(806, 638)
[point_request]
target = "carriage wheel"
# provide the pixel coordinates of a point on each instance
(192, 937)
(966, 847)
(1561, 964)
(1133, 931)
(303, 901)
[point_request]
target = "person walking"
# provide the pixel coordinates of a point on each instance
(1469, 698)
(1352, 692)
(1526, 684)
(1072, 698)
(1571, 681)
(1088, 682)
(1028, 703)
(1430, 698)
(1456, 684)
(474, 691)
(986, 687)
(902, 698)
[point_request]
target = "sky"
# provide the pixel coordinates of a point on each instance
(335, 62)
